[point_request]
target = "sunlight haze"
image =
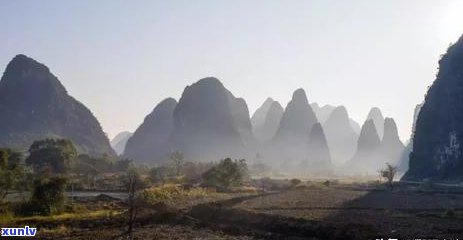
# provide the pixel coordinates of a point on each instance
(121, 58)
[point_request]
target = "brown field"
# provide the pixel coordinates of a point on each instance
(404, 212)
(308, 211)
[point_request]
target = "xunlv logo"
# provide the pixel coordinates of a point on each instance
(19, 232)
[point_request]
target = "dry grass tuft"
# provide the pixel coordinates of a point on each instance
(169, 192)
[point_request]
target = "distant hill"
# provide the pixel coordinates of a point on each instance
(297, 120)
(292, 137)
(119, 141)
(391, 145)
(373, 152)
(266, 120)
(341, 136)
(319, 157)
(240, 114)
(210, 123)
(258, 118)
(437, 151)
(322, 113)
(366, 158)
(150, 141)
(34, 105)
(378, 119)
(355, 126)
(207, 124)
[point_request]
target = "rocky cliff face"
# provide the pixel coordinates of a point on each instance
(404, 158)
(150, 142)
(34, 105)
(341, 137)
(437, 151)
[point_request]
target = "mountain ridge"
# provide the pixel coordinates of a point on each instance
(35, 105)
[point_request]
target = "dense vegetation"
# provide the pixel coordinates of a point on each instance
(52, 166)
(12, 172)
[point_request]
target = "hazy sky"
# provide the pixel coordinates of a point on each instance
(120, 58)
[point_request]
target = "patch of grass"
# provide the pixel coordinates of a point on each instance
(71, 216)
(61, 217)
(245, 189)
(168, 192)
(6, 217)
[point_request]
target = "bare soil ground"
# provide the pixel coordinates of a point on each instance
(312, 211)
(404, 212)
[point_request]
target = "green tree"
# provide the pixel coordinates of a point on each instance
(54, 155)
(12, 174)
(100, 164)
(243, 169)
(123, 165)
(226, 174)
(48, 196)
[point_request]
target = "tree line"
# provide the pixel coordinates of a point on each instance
(52, 166)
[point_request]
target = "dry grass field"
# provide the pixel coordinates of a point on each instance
(307, 211)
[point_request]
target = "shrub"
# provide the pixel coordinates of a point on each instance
(388, 174)
(450, 214)
(47, 198)
(12, 172)
(226, 174)
(159, 174)
(193, 172)
(295, 182)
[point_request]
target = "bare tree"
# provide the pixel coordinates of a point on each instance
(134, 184)
(178, 161)
(388, 174)
(131, 186)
